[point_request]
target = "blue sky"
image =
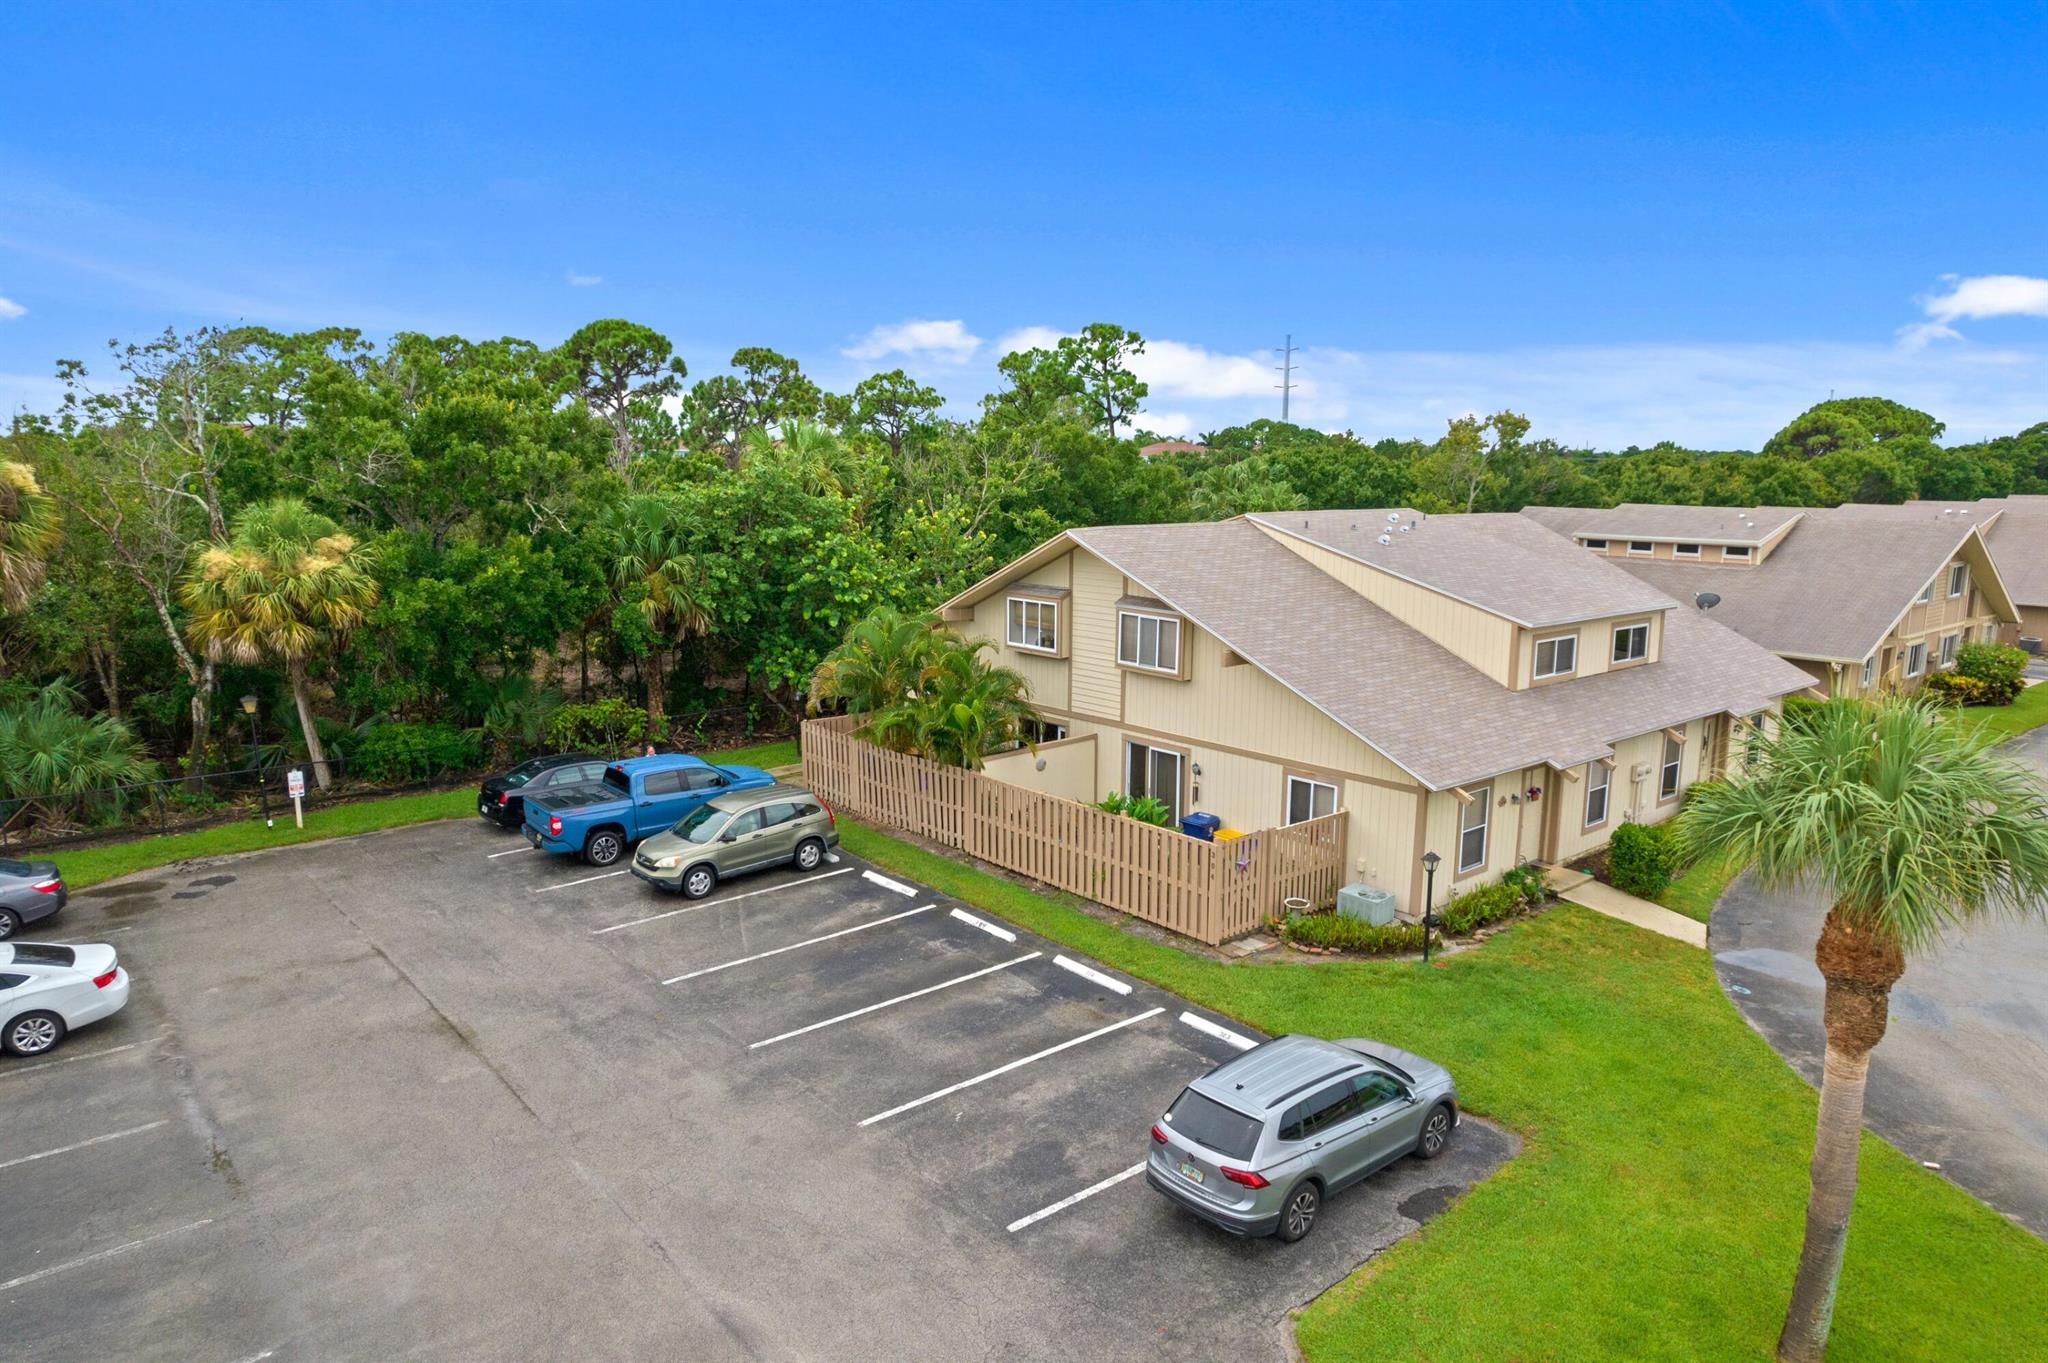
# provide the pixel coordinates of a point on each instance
(1632, 222)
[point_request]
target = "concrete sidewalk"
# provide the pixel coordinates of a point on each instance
(1585, 891)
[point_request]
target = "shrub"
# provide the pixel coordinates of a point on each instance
(1474, 909)
(1143, 808)
(1640, 860)
(1953, 688)
(399, 751)
(1527, 882)
(601, 726)
(1335, 932)
(1999, 669)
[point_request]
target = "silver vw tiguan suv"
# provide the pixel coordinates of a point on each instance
(1257, 1144)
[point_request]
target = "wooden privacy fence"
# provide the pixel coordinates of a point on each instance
(1211, 891)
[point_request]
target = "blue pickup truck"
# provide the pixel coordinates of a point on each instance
(637, 797)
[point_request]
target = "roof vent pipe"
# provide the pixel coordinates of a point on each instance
(1386, 539)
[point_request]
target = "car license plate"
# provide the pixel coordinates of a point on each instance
(1190, 1172)
(483, 807)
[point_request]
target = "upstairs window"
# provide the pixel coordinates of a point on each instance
(1958, 579)
(1685, 551)
(1557, 656)
(1150, 642)
(1597, 546)
(1631, 643)
(1926, 594)
(1641, 547)
(1034, 624)
(1735, 553)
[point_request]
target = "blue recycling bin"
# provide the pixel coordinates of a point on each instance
(1201, 826)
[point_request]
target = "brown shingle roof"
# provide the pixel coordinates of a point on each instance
(1832, 589)
(1504, 564)
(2018, 539)
(1432, 714)
(1650, 521)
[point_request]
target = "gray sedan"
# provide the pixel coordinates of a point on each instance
(1257, 1144)
(30, 891)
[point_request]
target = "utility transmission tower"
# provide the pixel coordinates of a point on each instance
(1286, 371)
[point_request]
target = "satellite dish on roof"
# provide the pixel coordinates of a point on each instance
(1706, 601)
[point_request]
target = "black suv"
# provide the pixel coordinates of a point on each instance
(502, 799)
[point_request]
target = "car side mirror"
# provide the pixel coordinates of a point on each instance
(728, 837)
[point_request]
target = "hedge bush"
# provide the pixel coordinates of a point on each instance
(1335, 932)
(400, 751)
(1953, 688)
(606, 727)
(1998, 669)
(1640, 860)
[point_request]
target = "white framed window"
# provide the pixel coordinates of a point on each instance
(1948, 648)
(1155, 772)
(1667, 776)
(1151, 642)
(1557, 656)
(1641, 547)
(1869, 671)
(1309, 799)
(1043, 731)
(1685, 551)
(1916, 659)
(1597, 546)
(1472, 822)
(1599, 778)
(1738, 553)
(1631, 643)
(1034, 624)
(1926, 594)
(1958, 579)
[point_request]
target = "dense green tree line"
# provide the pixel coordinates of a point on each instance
(520, 525)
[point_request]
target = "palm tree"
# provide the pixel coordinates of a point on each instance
(963, 709)
(52, 751)
(880, 663)
(28, 532)
(1912, 827)
(286, 582)
(651, 565)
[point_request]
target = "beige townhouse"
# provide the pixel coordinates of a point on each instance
(1863, 598)
(2016, 528)
(1472, 686)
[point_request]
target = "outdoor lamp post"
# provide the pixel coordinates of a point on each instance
(1429, 865)
(262, 795)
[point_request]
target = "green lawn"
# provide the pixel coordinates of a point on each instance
(2028, 711)
(1655, 1209)
(91, 865)
(1694, 890)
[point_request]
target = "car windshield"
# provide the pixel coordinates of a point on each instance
(1207, 1122)
(701, 825)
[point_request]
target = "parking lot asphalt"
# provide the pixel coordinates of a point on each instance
(427, 1094)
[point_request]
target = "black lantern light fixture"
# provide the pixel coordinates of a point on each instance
(1430, 862)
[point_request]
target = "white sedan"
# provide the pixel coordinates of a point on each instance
(47, 990)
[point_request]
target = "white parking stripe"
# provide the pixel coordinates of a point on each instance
(66, 1060)
(572, 884)
(80, 1145)
(990, 928)
(885, 1003)
(1090, 973)
(41, 1273)
(1237, 1039)
(808, 942)
(493, 856)
(258, 1358)
(1005, 1069)
(898, 886)
(714, 903)
(1091, 1190)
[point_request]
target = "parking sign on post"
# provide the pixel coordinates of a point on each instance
(295, 786)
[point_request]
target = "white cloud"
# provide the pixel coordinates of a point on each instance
(1172, 425)
(9, 310)
(949, 341)
(1177, 369)
(1975, 298)
(1030, 338)
(584, 281)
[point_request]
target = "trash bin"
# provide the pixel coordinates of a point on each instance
(1201, 826)
(1365, 902)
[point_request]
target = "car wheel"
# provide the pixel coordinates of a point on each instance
(10, 923)
(1298, 1217)
(809, 853)
(32, 1033)
(604, 848)
(698, 882)
(1436, 1133)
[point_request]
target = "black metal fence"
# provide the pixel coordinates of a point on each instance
(177, 803)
